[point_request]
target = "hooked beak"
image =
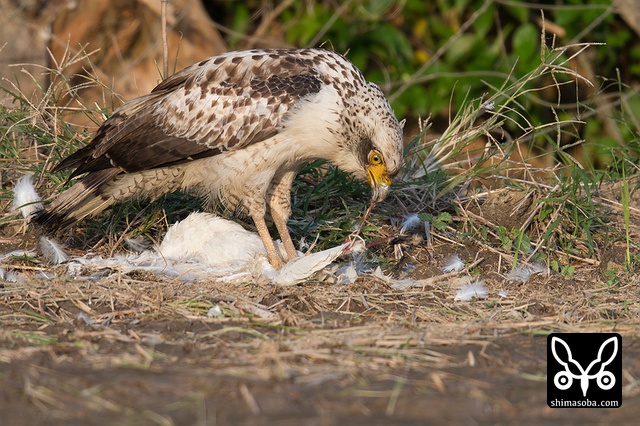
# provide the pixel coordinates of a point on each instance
(379, 180)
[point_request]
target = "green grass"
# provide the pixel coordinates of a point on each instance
(444, 174)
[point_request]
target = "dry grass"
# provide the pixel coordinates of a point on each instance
(71, 339)
(145, 350)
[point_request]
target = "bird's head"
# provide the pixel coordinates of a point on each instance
(378, 175)
(376, 143)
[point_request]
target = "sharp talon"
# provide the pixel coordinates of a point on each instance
(351, 241)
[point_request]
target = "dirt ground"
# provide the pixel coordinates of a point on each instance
(139, 349)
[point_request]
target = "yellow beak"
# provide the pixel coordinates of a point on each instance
(379, 180)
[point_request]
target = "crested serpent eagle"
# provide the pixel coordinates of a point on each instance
(236, 128)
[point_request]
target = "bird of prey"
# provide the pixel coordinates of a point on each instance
(236, 128)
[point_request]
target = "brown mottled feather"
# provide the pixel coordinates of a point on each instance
(236, 128)
(203, 110)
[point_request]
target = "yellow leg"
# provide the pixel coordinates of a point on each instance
(272, 254)
(279, 197)
(281, 225)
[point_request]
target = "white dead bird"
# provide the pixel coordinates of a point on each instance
(201, 246)
(25, 198)
(205, 246)
(212, 240)
(222, 244)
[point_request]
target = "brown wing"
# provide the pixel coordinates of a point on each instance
(224, 103)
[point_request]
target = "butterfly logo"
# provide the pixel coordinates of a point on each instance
(564, 379)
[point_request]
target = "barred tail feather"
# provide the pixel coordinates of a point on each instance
(81, 200)
(101, 189)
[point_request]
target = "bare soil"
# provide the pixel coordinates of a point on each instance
(139, 349)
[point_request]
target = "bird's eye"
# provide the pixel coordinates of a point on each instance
(375, 158)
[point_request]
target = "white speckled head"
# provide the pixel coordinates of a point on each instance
(386, 136)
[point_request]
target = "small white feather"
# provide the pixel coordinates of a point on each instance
(347, 274)
(488, 106)
(25, 198)
(17, 253)
(43, 274)
(410, 222)
(138, 244)
(8, 276)
(522, 273)
(52, 251)
(379, 274)
(474, 290)
(215, 312)
(452, 263)
(85, 319)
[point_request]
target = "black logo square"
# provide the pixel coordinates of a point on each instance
(584, 370)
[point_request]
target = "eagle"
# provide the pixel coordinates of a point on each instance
(236, 129)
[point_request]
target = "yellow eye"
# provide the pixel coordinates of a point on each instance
(375, 158)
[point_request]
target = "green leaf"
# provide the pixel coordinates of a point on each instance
(526, 41)
(442, 221)
(461, 48)
(522, 241)
(485, 22)
(521, 13)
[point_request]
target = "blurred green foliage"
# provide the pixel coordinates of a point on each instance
(432, 56)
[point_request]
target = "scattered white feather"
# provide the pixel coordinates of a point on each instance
(488, 106)
(347, 274)
(470, 291)
(522, 273)
(215, 312)
(25, 198)
(43, 274)
(503, 293)
(85, 319)
(395, 283)
(452, 263)
(17, 253)
(405, 283)
(410, 222)
(380, 275)
(138, 244)
(52, 251)
(8, 276)
(74, 268)
(427, 230)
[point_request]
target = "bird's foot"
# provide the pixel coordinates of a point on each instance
(355, 243)
(275, 261)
